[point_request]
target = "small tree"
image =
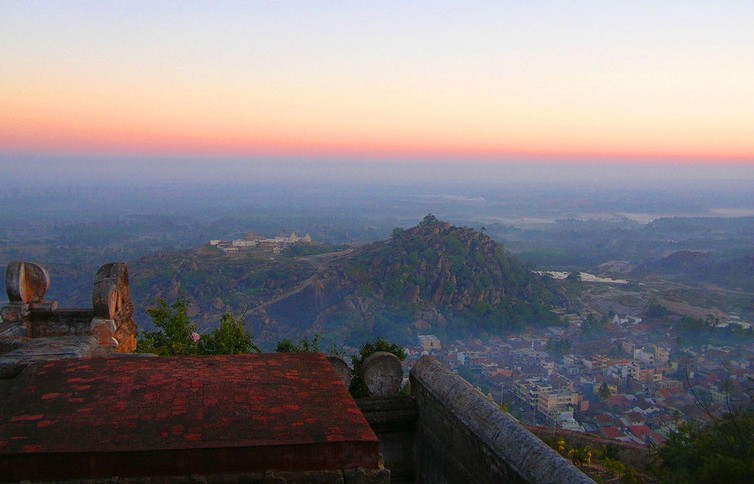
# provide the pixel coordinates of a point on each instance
(574, 277)
(558, 346)
(303, 346)
(230, 338)
(592, 325)
(429, 220)
(721, 451)
(176, 336)
(604, 391)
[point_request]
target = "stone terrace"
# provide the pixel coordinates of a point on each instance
(139, 416)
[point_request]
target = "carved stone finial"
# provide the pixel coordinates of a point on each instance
(111, 298)
(26, 282)
(382, 374)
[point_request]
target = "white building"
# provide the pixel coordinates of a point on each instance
(429, 342)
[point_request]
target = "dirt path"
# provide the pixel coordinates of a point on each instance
(319, 261)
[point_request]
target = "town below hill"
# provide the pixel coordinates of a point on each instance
(625, 378)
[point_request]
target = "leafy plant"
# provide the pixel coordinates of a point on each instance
(720, 451)
(177, 335)
(176, 332)
(303, 346)
(230, 338)
(580, 456)
(604, 391)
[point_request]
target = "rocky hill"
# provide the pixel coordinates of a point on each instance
(450, 268)
(697, 267)
(431, 278)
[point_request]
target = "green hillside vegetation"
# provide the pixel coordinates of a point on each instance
(211, 283)
(701, 268)
(721, 451)
(177, 336)
(463, 273)
(434, 277)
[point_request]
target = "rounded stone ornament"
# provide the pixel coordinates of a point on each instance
(26, 282)
(382, 374)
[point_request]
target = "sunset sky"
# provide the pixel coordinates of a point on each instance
(653, 81)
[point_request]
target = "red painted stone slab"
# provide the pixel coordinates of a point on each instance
(137, 416)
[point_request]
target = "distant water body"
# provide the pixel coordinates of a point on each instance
(585, 276)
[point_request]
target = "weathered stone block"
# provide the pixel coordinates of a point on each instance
(366, 476)
(341, 368)
(394, 421)
(126, 337)
(104, 330)
(15, 312)
(44, 306)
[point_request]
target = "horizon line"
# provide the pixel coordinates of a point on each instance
(539, 158)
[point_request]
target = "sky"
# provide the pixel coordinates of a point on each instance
(647, 82)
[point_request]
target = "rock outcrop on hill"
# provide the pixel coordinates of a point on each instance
(434, 277)
(448, 267)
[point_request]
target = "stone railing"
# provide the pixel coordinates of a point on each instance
(463, 437)
(447, 431)
(36, 329)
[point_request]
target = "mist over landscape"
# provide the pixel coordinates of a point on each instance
(587, 218)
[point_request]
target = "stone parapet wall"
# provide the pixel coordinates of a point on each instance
(463, 437)
(34, 329)
(59, 322)
(393, 419)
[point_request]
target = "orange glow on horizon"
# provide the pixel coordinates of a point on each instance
(78, 125)
(87, 140)
(360, 121)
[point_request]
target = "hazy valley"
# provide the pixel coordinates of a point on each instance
(693, 262)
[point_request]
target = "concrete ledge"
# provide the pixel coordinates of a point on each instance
(346, 476)
(94, 418)
(463, 437)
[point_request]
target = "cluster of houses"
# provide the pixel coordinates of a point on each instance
(633, 383)
(252, 242)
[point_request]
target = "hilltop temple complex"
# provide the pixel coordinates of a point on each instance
(253, 242)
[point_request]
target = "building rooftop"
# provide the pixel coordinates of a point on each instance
(134, 415)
